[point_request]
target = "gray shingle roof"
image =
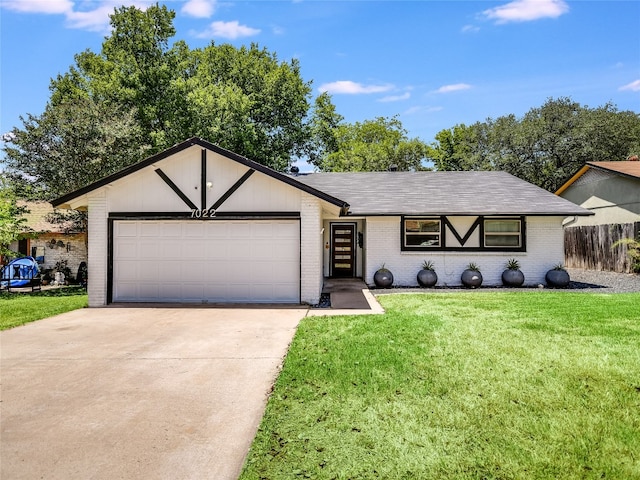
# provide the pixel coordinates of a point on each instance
(440, 193)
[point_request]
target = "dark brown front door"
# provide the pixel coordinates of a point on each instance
(343, 254)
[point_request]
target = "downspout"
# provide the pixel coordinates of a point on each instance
(572, 220)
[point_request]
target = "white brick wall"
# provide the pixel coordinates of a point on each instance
(98, 235)
(545, 248)
(311, 250)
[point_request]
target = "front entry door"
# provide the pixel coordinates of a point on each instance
(343, 254)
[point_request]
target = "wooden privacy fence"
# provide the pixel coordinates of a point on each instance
(590, 247)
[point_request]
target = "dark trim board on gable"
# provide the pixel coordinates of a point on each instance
(175, 188)
(344, 206)
(231, 190)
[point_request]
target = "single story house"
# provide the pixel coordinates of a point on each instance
(611, 190)
(197, 223)
(49, 243)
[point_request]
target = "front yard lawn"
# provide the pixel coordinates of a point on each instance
(470, 385)
(20, 308)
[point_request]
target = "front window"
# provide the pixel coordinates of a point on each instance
(422, 233)
(503, 233)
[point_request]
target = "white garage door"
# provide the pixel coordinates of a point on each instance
(206, 261)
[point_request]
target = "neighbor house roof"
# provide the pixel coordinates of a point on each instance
(37, 217)
(440, 193)
(626, 168)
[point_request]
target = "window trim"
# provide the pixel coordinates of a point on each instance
(518, 234)
(403, 234)
(447, 226)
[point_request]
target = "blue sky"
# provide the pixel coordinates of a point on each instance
(433, 63)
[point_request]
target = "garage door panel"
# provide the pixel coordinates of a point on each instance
(148, 290)
(126, 249)
(171, 230)
(195, 230)
(149, 250)
(215, 249)
(206, 261)
(126, 230)
(148, 273)
(128, 271)
(149, 229)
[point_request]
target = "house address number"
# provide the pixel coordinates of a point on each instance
(203, 212)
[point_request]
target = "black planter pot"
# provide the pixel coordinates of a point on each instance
(383, 278)
(427, 278)
(557, 278)
(512, 278)
(471, 278)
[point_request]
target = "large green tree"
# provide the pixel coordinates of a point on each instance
(70, 145)
(323, 126)
(140, 95)
(242, 99)
(545, 146)
(373, 145)
(12, 220)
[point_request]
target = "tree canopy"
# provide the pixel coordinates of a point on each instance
(12, 220)
(545, 147)
(140, 95)
(369, 146)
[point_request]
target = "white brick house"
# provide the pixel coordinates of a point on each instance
(200, 224)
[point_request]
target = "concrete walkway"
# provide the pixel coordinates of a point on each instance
(349, 296)
(138, 393)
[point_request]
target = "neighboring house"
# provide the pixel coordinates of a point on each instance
(197, 223)
(611, 190)
(50, 243)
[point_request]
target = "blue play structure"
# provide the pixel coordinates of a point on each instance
(21, 272)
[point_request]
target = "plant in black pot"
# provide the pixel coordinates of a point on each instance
(471, 277)
(512, 276)
(383, 278)
(427, 277)
(557, 277)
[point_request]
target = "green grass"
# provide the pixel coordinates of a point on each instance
(20, 308)
(530, 385)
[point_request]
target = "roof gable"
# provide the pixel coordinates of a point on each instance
(64, 201)
(625, 168)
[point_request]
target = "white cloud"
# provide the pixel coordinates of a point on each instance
(396, 98)
(95, 19)
(470, 29)
(39, 6)
(633, 86)
(527, 10)
(456, 87)
(230, 30)
(199, 8)
(352, 88)
(419, 109)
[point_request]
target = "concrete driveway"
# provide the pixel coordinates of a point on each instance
(138, 393)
